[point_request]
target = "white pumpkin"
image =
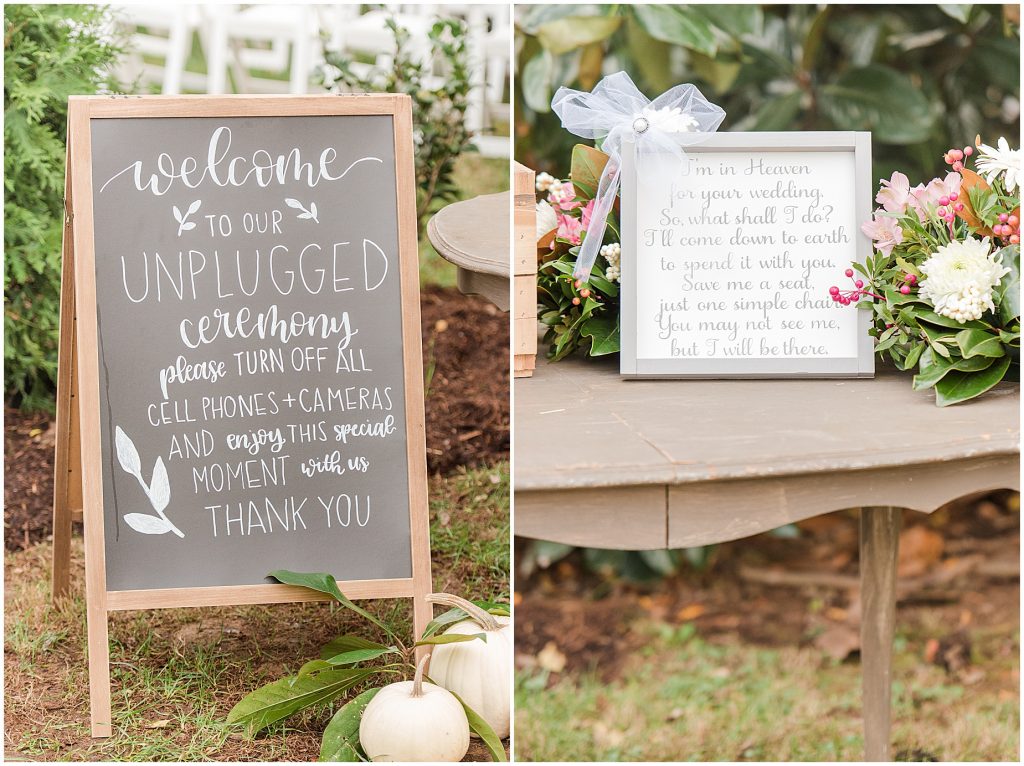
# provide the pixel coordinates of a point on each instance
(478, 671)
(414, 721)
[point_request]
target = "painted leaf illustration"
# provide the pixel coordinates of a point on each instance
(127, 455)
(293, 203)
(159, 487)
(312, 209)
(146, 524)
(194, 207)
(303, 216)
(177, 213)
(188, 226)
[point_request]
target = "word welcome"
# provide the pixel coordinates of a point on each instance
(261, 167)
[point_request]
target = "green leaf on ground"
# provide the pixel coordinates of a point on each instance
(347, 643)
(361, 655)
(482, 729)
(340, 743)
(280, 699)
(451, 638)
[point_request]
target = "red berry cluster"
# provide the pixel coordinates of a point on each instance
(1008, 227)
(846, 297)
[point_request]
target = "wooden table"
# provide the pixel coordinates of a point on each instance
(474, 235)
(610, 463)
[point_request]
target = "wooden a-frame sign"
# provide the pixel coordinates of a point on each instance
(79, 460)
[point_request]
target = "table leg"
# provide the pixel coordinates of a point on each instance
(879, 543)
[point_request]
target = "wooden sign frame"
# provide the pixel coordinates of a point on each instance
(860, 366)
(78, 480)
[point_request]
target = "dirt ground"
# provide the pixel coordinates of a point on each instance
(465, 354)
(769, 626)
(960, 566)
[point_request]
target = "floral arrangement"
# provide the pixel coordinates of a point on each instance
(943, 285)
(578, 316)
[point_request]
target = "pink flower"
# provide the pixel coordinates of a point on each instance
(563, 198)
(588, 211)
(924, 199)
(894, 193)
(569, 229)
(885, 232)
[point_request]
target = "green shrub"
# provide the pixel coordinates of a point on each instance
(922, 78)
(50, 52)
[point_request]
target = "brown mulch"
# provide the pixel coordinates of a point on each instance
(465, 341)
(585, 618)
(465, 344)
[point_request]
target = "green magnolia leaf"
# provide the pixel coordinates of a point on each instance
(934, 368)
(735, 20)
(325, 583)
(347, 643)
(482, 729)
(360, 655)
(535, 82)
(779, 113)
(960, 386)
(451, 638)
(979, 343)
(679, 25)
(280, 699)
(340, 743)
(604, 332)
(931, 317)
(879, 99)
(959, 12)
(1008, 292)
(587, 165)
(567, 34)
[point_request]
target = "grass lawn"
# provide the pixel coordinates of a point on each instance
(474, 175)
(685, 698)
(177, 672)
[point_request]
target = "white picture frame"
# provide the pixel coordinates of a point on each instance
(858, 364)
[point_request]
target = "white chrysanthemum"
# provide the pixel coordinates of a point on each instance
(1002, 161)
(544, 181)
(960, 277)
(669, 120)
(547, 218)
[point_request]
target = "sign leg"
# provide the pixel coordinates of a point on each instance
(99, 673)
(879, 544)
(66, 406)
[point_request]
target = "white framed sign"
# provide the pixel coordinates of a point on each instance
(728, 258)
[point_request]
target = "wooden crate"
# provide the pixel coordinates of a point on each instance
(524, 272)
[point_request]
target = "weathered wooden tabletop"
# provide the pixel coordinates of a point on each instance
(474, 235)
(637, 464)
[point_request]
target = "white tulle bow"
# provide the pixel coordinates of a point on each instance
(615, 109)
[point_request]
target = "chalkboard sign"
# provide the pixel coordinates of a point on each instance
(727, 257)
(247, 350)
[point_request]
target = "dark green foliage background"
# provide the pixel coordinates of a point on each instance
(922, 78)
(50, 52)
